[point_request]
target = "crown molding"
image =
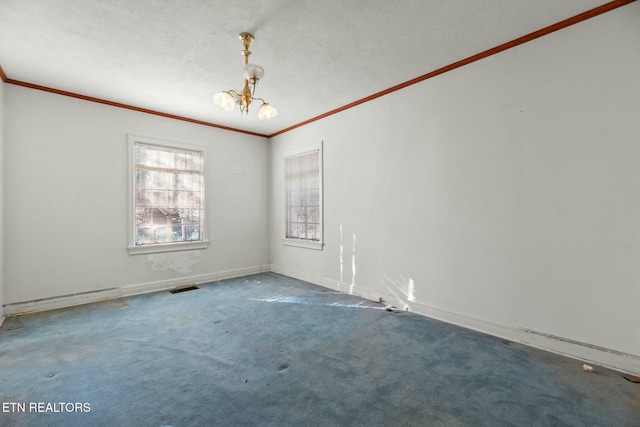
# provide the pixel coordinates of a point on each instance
(121, 105)
(607, 7)
(3, 76)
(489, 52)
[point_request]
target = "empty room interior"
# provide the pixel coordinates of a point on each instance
(320, 213)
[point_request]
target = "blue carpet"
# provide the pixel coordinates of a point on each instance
(267, 350)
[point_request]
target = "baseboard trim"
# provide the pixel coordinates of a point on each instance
(52, 303)
(592, 354)
(335, 285)
(618, 360)
(589, 353)
(62, 301)
(163, 285)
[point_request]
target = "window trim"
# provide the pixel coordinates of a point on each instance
(162, 247)
(291, 241)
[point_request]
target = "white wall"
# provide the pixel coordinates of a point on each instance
(502, 195)
(66, 203)
(2, 85)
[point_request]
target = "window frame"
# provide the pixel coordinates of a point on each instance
(292, 241)
(134, 249)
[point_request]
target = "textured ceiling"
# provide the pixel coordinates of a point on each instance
(173, 56)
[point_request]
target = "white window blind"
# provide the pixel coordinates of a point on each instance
(168, 195)
(303, 191)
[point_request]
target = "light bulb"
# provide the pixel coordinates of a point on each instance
(267, 111)
(224, 100)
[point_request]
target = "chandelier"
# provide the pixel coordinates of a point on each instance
(252, 75)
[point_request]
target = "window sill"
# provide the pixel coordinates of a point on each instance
(168, 247)
(308, 244)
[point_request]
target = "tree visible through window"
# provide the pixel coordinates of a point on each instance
(303, 183)
(169, 194)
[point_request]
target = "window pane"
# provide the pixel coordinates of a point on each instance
(169, 191)
(313, 213)
(302, 183)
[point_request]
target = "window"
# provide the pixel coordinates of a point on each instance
(167, 200)
(303, 186)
